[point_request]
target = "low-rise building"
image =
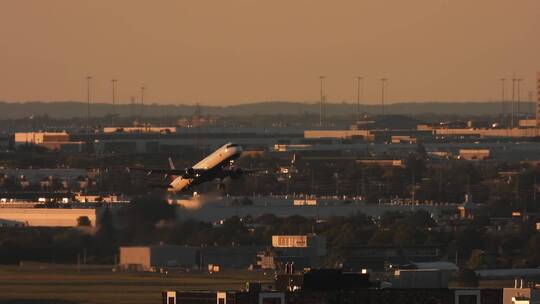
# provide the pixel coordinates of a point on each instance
(341, 134)
(148, 258)
(420, 278)
(48, 217)
(403, 139)
(51, 140)
(145, 129)
(474, 154)
(228, 257)
(315, 243)
(296, 251)
(382, 162)
(521, 294)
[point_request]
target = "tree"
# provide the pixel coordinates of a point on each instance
(467, 278)
(476, 259)
(106, 236)
(421, 150)
(83, 221)
(415, 166)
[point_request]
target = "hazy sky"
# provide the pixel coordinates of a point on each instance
(237, 51)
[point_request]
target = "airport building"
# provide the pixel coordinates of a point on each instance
(296, 251)
(47, 217)
(59, 141)
(334, 286)
(474, 154)
(151, 258)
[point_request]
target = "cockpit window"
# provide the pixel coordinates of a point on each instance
(231, 145)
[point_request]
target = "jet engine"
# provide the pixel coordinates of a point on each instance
(189, 173)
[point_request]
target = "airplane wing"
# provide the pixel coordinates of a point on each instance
(238, 172)
(256, 171)
(186, 172)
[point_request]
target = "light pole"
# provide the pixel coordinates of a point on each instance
(383, 82)
(503, 110)
(88, 79)
(132, 107)
(321, 78)
(513, 101)
(359, 88)
(142, 104)
(113, 81)
(519, 80)
(531, 111)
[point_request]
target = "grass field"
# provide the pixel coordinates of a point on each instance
(64, 284)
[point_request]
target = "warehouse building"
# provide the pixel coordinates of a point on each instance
(48, 217)
(295, 251)
(151, 258)
(335, 286)
(59, 141)
(474, 154)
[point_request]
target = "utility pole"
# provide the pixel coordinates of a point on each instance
(113, 81)
(503, 110)
(142, 104)
(88, 79)
(359, 93)
(321, 78)
(519, 80)
(132, 106)
(513, 101)
(383, 82)
(531, 110)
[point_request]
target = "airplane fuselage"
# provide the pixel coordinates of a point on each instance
(208, 169)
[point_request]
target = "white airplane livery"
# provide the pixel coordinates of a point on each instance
(218, 165)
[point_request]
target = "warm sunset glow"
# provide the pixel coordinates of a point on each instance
(227, 52)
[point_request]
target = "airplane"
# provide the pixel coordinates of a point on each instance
(217, 165)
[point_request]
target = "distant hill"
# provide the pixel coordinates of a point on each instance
(10, 110)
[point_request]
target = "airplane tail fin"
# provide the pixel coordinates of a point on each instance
(171, 164)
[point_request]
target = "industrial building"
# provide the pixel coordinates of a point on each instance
(378, 258)
(238, 257)
(335, 286)
(299, 251)
(151, 258)
(36, 175)
(521, 294)
(59, 141)
(474, 154)
(420, 278)
(216, 209)
(47, 217)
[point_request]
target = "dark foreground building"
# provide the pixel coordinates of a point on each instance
(368, 296)
(334, 287)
